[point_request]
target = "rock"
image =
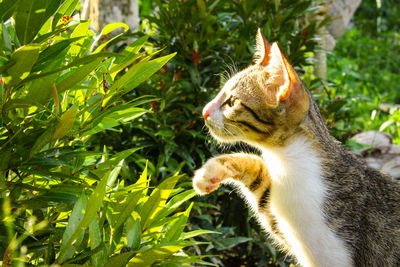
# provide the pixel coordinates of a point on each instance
(382, 155)
(373, 138)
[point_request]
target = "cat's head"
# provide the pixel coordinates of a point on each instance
(263, 104)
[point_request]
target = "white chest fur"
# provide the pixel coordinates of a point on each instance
(297, 197)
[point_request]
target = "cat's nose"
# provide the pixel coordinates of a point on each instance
(205, 114)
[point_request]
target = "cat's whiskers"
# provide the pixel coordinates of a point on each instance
(235, 127)
(230, 70)
(232, 66)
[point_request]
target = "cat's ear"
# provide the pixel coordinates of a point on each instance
(282, 73)
(290, 89)
(262, 50)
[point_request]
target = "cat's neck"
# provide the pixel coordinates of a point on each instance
(311, 144)
(299, 155)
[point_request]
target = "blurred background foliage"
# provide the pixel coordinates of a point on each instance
(156, 127)
(363, 72)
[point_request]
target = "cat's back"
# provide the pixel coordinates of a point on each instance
(363, 207)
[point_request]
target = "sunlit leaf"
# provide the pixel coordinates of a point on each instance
(24, 58)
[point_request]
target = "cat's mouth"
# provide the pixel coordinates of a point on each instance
(222, 132)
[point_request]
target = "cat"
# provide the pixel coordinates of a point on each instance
(319, 202)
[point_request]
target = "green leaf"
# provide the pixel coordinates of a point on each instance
(95, 236)
(136, 75)
(80, 31)
(174, 203)
(386, 124)
(78, 212)
(230, 242)
(53, 51)
(146, 8)
(165, 133)
(128, 55)
(30, 15)
(18, 103)
(43, 140)
(129, 206)
(176, 229)
(77, 75)
(66, 9)
(39, 90)
(133, 233)
(105, 44)
(6, 43)
(57, 197)
(7, 8)
(24, 58)
(196, 233)
(75, 265)
(5, 156)
(114, 117)
(46, 36)
(112, 26)
(66, 122)
(178, 261)
(92, 207)
(104, 167)
(119, 260)
(80, 62)
(157, 200)
(156, 254)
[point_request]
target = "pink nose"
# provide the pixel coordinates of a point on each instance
(205, 114)
(211, 107)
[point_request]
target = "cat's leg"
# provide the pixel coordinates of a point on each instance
(247, 169)
(251, 171)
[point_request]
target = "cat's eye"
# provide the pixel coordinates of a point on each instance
(235, 102)
(232, 101)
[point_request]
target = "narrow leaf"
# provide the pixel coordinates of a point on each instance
(157, 253)
(112, 26)
(177, 228)
(136, 75)
(77, 75)
(195, 233)
(78, 212)
(66, 122)
(29, 17)
(134, 233)
(95, 236)
(157, 200)
(66, 9)
(24, 58)
(93, 205)
(119, 260)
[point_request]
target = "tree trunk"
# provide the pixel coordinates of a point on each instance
(341, 12)
(103, 12)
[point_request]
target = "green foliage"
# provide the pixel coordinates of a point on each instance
(363, 81)
(363, 77)
(63, 198)
(375, 17)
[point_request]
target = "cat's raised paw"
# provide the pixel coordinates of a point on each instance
(208, 178)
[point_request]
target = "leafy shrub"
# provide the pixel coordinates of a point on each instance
(376, 17)
(62, 196)
(363, 71)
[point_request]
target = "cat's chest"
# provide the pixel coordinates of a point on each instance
(297, 200)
